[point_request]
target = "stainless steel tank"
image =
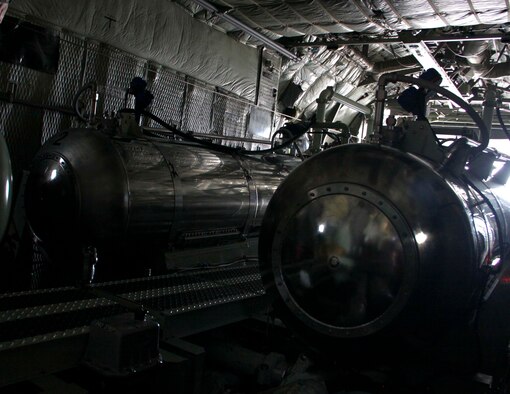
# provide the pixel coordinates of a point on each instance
(365, 240)
(95, 189)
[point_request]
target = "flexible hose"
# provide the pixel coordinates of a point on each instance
(214, 146)
(484, 132)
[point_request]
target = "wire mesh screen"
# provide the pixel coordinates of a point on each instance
(67, 80)
(25, 83)
(112, 70)
(54, 122)
(96, 57)
(65, 84)
(122, 68)
(198, 108)
(229, 117)
(234, 123)
(168, 89)
(218, 113)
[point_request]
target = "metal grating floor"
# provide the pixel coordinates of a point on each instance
(34, 316)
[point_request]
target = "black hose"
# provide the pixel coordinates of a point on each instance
(484, 132)
(212, 145)
(284, 132)
(503, 126)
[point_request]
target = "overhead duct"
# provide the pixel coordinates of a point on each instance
(382, 67)
(394, 65)
(329, 94)
(476, 55)
(247, 29)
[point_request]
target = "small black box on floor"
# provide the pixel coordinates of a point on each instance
(122, 345)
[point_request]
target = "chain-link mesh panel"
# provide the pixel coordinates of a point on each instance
(168, 89)
(198, 108)
(39, 266)
(112, 70)
(67, 80)
(218, 114)
(95, 63)
(234, 123)
(25, 83)
(54, 122)
(96, 69)
(229, 116)
(122, 68)
(66, 83)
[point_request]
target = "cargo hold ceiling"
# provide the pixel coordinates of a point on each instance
(350, 43)
(322, 17)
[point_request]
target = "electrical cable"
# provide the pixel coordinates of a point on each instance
(284, 133)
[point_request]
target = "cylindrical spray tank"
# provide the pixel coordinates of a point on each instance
(92, 189)
(365, 241)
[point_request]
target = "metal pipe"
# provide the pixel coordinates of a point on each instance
(352, 104)
(324, 98)
(477, 56)
(247, 29)
(477, 37)
(365, 41)
(401, 38)
(329, 94)
(380, 98)
(488, 107)
(402, 63)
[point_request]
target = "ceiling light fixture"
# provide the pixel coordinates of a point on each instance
(247, 29)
